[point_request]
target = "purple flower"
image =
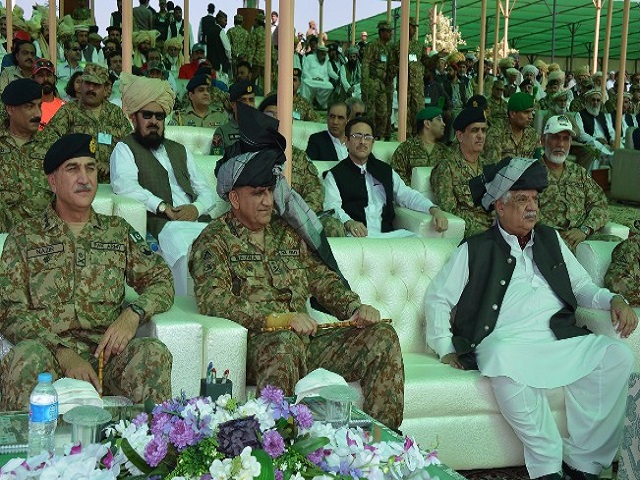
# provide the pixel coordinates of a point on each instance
(235, 435)
(161, 423)
(272, 394)
(107, 460)
(281, 410)
(316, 457)
(408, 443)
(140, 419)
(181, 435)
(273, 443)
(155, 451)
(76, 449)
(279, 474)
(303, 415)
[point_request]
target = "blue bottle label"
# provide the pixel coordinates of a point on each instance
(43, 413)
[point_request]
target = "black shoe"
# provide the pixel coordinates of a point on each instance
(551, 476)
(573, 474)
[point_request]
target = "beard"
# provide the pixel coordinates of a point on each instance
(47, 88)
(595, 111)
(557, 110)
(151, 140)
(556, 158)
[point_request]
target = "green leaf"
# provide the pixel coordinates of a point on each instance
(308, 445)
(149, 405)
(134, 458)
(266, 465)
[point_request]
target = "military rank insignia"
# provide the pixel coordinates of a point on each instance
(93, 145)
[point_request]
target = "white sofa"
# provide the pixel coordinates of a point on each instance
(455, 408)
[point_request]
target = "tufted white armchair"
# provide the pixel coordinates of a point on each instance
(197, 140)
(303, 130)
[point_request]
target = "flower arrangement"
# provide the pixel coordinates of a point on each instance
(448, 37)
(265, 438)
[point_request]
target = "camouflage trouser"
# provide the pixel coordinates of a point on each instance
(378, 100)
(142, 371)
(333, 227)
(415, 103)
(371, 355)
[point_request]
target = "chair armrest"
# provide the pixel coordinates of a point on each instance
(103, 201)
(599, 322)
(182, 334)
(616, 229)
(132, 211)
(420, 223)
(224, 344)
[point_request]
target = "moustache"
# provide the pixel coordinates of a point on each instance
(531, 215)
(85, 187)
(35, 120)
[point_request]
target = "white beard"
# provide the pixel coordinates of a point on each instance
(595, 111)
(554, 158)
(557, 110)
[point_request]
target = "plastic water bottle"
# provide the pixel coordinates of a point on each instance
(153, 243)
(43, 415)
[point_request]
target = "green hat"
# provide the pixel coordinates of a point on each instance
(70, 146)
(428, 113)
(95, 73)
(519, 102)
(384, 26)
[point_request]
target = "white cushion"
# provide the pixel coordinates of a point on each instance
(384, 150)
(196, 140)
(595, 257)
(303, 130)
(421, 181)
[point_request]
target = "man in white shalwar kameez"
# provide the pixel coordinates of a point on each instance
(515, 288)
(316, 72)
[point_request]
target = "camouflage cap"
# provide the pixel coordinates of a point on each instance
(384, 26)
(95, 73)
(260, 16)
(70, 146)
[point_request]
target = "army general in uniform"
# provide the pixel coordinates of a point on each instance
(253, 268)
(62, 284)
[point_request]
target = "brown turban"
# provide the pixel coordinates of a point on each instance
(140, 91)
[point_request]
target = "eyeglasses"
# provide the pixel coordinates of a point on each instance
(358, 137)
(147, 114)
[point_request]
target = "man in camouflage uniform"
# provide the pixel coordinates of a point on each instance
(573, 203)
(302, 109)
(623, 275)
(497, 105)
(515, 137)
(450, 177)
(23, 188)
(305, 178)
(239, 39)
(94, 115)
(423, 150)
(417, 59)
(378, 73)
(252, 267)
(229, 133)
(63, 280)
(256, 49)
(201, 111)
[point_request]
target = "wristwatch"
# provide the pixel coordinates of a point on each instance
(586, 230)
(162, 207)
(139, 310)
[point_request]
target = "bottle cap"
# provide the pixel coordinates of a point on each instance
(45, 377)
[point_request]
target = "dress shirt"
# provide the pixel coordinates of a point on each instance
(522, 330)
(402, 195)
(124, 180)
(341, 148)
(64, 71)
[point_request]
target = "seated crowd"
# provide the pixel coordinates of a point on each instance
(526, 204)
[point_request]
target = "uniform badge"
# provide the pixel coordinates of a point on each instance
(274, 267)
(93, 145)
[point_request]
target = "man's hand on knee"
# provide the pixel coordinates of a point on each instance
(303, 324)
(74, 366)
(366, 315)
(452, 359)
(118, 335)
(623, 317)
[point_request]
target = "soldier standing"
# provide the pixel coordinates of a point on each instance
(257, 49)
(417, 59)
(63, 280)
(239, 39)
(377, 77)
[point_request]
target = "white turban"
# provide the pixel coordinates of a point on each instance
(530, 68)
(140, 91)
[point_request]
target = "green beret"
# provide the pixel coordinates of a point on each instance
(198, 80)
(468, 116)
(428, 113)
(238, 89)
(70, 146)
(519, 102)
(21, 91)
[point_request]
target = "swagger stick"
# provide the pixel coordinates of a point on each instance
(100, 370)
(324, 326)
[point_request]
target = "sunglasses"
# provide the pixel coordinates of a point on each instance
(147, 114)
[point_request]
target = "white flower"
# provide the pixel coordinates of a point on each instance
(220, 470)
(250, 465)
(223, 400)
(259, 409)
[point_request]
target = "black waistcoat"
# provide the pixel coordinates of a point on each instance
(588, 121)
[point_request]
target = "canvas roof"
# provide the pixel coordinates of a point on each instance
(530, 26)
